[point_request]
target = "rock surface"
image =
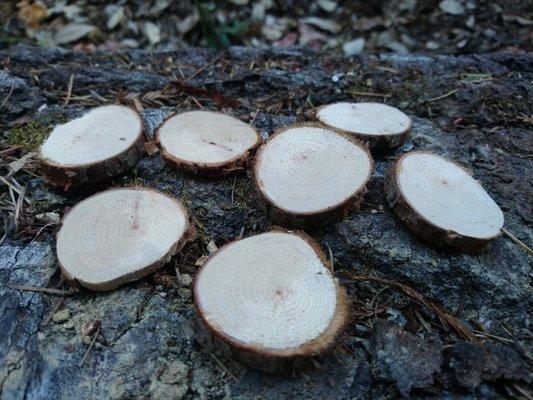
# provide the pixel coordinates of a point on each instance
(406, 360)
(148, 346)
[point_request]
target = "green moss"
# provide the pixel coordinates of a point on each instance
(244, 194)
(32, 134)
(29, 136)
(135, 181)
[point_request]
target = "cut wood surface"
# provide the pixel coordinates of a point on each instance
(120, 235)
(442, 202)
(308, 176)
(207, 141)
(379, 125)
(271, 298)
(102, 143)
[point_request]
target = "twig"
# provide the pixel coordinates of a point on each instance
(58, 304)
(20, 204)
(11, 149)
(6, 226)
(486, 334)
(331, 260)
(180, 71)
(9, 94)
(17, 185)
(39, 289)
(13, 186)
(200, 70)
(197, 102)
(388, 69)
(517, 241)
(523, 391)
(256, 114)
(224, 368)
(441, 97)
(370, 94)
(233, 190)
(95, 336)
(423, 321)
(41, 230)
(444, 314)
(69, 90)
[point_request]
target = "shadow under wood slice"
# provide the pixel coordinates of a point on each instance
(271, 301)
(103, 143)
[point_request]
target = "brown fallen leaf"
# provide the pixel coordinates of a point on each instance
(32, 14)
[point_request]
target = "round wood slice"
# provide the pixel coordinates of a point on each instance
(207, 141)
(121, 235)
(379, 125)
(271, 300)
(102, 143)
(442, 202)
(308, 176)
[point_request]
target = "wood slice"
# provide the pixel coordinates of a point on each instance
(308, 176)
(271, 300)
(379, 125)
(207, 141)
(103, 143)
(121, 235)
(440, 201)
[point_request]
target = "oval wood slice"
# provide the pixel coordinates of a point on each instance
(102, 143)
(379, 125)
(440, 201)
(271, 300)
(121, 235)
(207, 141)
(308, 176)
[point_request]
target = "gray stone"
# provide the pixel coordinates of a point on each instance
(408, 361)
(474, 363)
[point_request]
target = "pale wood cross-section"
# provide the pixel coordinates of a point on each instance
(308, 176)
(121, 235)
(440, 201)
(103, 143)
(207, 142)
(379, 125)
(271, 299)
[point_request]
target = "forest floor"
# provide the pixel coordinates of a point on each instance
(352, 27)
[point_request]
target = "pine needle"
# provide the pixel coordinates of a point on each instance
(442, 97)
(444, 314)
(517, 241)
(38, 289)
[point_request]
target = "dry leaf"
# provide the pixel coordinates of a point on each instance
(324, 24)
(32, 14)
(49, 217)
(17, 165)
(152, 32)
(212, 247)
(89, 328)
(151, 148)
(201, 261)
(72, 32)
(186, 24)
